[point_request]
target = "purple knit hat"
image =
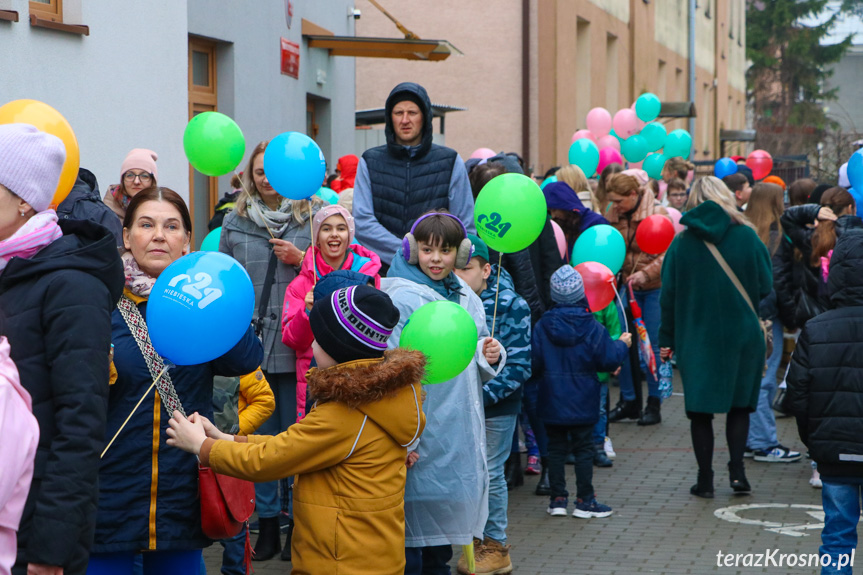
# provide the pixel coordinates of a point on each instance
(30, 163)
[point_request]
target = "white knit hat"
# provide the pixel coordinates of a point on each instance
(30, 163)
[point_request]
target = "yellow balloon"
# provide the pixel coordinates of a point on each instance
(49, 120)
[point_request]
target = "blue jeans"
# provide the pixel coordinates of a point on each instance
(762, 421)
(498, 440)
(530, 399)
(154, 563)
(284, 386)
(651, 313)
(602, 424)
(234, 554)
(841, 512)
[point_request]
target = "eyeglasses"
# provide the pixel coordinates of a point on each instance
(145, 178)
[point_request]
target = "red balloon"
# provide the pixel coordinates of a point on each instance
(761, 164)
(598, 284)
(654, 234)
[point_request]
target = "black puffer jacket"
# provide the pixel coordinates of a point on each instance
(84, 202)
(57, 307)
(825, 383)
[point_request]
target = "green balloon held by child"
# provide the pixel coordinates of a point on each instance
(447, 335)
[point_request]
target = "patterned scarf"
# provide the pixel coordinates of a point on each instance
(40, 231)
(276, 220)
(137, 280)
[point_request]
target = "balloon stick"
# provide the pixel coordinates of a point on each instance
(622, 309)
(134, 409)
(496, 291)
(312, 246)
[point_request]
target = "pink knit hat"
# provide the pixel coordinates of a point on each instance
(333, 210)
(639, 175)
(140, 159)
(30, 163)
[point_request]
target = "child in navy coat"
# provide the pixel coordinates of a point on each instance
(569, 347)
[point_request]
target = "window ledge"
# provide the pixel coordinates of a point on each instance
(9, 15)
(37, 22)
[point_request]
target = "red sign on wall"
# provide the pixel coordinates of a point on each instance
(290, 59)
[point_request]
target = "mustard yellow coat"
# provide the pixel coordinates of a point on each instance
(349, 457)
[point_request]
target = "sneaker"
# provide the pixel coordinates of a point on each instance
(609, 448)
(749, 452)
(533, 466)
(590, 508)
(778, 454)
(557, 507)
(815, 480)
(600, 459)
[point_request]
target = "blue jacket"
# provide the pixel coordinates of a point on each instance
(85, 203)
(148, 491)
(568, 348)
(502, 394)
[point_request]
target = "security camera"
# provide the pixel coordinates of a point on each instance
(354, 13)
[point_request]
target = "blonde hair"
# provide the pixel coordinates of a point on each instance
(712, 189)
(764, 209)
(574, 177)
(678, 167)
(299, 208)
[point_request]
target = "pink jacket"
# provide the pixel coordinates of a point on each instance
(20, 431)
(296, 331)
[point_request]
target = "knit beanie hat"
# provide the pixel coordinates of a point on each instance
(140, 159)
(30, 163)
(354, 323)
(567, 285)
(333, 210)
(479, 247)
(640, 175)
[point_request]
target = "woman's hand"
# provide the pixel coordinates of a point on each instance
(211, 430)
(412, 458)
(825, 214)
(638, 280)
(491, 350)
(310, 300)
(626, 338)
(287, 252)
(665, 353)
(185, 434)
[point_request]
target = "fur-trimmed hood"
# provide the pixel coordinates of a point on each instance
(387, 390)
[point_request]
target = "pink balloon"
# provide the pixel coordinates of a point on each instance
(608, 141)
(560, 238)
(599, 121)
(625, 123)
(608, 156)
(483, 153)
(663, 188)
(639, 121)
(675, 216)
(584, 134)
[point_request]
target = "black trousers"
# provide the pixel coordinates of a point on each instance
(582, 446)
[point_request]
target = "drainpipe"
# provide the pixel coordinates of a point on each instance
(692, 11)
(525, 83)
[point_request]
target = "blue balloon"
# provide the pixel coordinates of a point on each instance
(294, 165)
(858, 199)
(724, 167)
(328, 195)
(855, 170)
(200, 307)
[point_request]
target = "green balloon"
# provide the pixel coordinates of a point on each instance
(647, 107)
(602, 244)
(653, 165)
(510, 213)
(214, 144)
(584, 154)
(447, 335)
(678, 143)
(211, 242)
(634, 148)
(655, 135)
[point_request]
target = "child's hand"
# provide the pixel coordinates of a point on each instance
(491, 350)
(310, 300)
(626, 338)
(616, 372)
(211, 430)
(184, 434)
(665, 353)
(412, 458)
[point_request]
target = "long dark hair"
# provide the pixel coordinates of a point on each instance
(824, 236)
(155, 193)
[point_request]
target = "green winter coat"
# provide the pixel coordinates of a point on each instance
(715, 335)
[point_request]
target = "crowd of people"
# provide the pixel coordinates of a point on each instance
(357, 463)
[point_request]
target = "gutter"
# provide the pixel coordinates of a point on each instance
(525, 83)
(692, 11)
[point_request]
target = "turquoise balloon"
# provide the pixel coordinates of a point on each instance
(655, 134)
(602, 244)
(653, 165)
(213, 143)
(678, 143)
(584, 154)
(510, 212)
(211, 242)
(447, 335)
(328, 195)
(634, 148)
(547, 181)
(647, 107)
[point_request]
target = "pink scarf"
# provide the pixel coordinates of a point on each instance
(137, 280)
(39, 231)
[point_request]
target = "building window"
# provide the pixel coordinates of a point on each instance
(611, 71)
(47, 9)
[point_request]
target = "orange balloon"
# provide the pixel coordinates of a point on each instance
(48, 120)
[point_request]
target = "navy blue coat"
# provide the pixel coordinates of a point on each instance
(569, 347)
(148, 491)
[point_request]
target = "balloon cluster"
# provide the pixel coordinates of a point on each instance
(632, 134)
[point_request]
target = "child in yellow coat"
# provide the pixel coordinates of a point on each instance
(349, 451)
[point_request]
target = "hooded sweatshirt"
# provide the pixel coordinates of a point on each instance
(347, 173)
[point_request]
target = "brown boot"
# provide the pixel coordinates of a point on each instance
(493, 559)
(462, 561)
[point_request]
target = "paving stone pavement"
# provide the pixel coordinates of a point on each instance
(657, 526)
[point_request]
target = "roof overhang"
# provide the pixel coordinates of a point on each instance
(363, 47)
(677, 110)
(736, 135)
